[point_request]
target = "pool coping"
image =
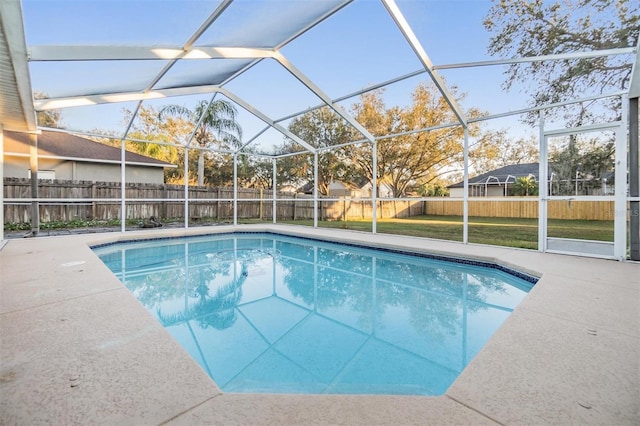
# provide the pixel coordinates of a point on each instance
(568, 354)
(529, 277)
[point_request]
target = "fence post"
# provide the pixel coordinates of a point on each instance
(94, 195)
(33, 168)
(218, 204)
(344, 209)
(260, 211)
(164, 208)
(295, 196)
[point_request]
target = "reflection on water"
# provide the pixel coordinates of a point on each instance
(264, 313)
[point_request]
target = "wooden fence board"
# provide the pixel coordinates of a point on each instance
(215, 203)
(561, 209)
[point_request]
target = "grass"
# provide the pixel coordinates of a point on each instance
(508, 232)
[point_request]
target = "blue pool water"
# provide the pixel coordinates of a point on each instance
(275, 314)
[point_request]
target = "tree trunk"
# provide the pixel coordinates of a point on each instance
(201, 168)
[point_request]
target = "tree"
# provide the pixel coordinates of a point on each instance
(49, 118)
(411, 158)
(581, 166)
(255, 172)
(432, 190)
(539, 27)
(321, 128)
(495, 149)
(525, 186)
(149, 127)
(293, 170)
(218, 127)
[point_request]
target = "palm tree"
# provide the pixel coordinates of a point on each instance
(525, 185)
(218, 126)
(218, 311)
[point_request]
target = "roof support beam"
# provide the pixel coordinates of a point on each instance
(137, 53)
(256, 136)
(319, 93)
(314, 23)
(354, 94)
(224, 4)
(557, 57)
(15, 88)
(544, 107)
(187, 46)
(266, 119)
(73, 101)
(413, 41)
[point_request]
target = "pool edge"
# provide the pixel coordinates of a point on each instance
(469, 400)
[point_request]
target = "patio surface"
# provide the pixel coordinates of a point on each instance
(77, 348)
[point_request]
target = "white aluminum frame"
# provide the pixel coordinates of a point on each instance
(189, 51)
(619, 197)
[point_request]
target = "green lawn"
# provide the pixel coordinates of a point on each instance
(507, 232)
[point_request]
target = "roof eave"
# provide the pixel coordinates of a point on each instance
(16, 110)
(93, 160)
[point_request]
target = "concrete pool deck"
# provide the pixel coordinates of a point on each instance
(77, 348)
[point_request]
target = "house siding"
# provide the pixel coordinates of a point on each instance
(456, 192)
(18, 167)
(111, 173)
(474, 190)
(71, 157)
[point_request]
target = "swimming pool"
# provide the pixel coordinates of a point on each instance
(262, 312)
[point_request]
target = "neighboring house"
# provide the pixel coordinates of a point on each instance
(352, 190)
(384, 190)
(342, 189)
(68, 157)
(288, 188)
(495, 183)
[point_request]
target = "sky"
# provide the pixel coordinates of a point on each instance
(357, 47)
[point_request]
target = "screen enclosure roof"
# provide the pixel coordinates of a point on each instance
(96, 61)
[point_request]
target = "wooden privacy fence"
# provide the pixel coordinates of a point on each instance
(576, 210)
(85, 200)
(65, 201)
(354, 209)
